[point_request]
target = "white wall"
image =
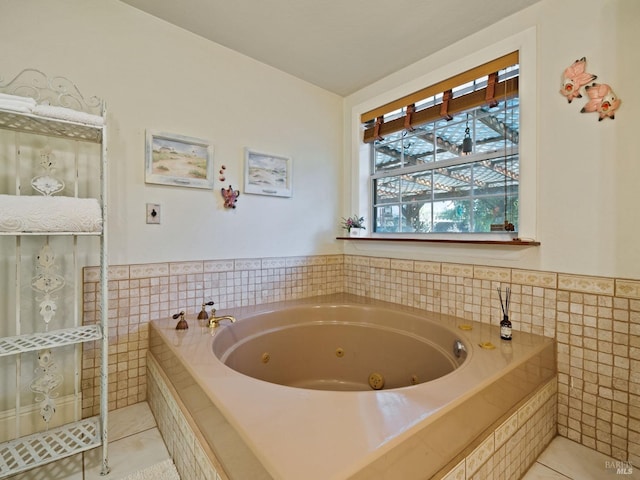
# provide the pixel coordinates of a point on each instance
(156, 76)
(586, 196)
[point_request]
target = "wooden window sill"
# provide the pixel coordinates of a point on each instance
(508, 243)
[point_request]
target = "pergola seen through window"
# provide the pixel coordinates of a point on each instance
(424, 180)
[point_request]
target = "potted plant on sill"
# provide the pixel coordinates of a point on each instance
(354, 225)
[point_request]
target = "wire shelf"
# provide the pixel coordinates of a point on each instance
(50, 234)
(57, 338)
(23, 122)
(38, 449)
(58, 110)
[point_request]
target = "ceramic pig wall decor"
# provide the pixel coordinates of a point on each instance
(574, 78)
(601, 100)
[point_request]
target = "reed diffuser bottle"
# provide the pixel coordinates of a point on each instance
(505, 324)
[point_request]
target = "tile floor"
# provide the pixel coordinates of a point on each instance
(565, 459)
(135, 443)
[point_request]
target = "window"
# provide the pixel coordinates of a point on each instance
(425, 178)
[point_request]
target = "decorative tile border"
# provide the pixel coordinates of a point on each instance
(274, 262)
(296, 262)
(584, 284)
(492, 273)
(114, 272)
(316, 260)
(627, 288)
(479, 456)
(305, 261)
(505, 431)
(405, 265)
(457, 270)
(247, 264)
(118, 272)
(185, 268)
(535, 278)
(216, 266)
(427, 267)
(91, 274)
(379, 262)
(335, 259)
(457, 473)
(149, 270)
(360, 261)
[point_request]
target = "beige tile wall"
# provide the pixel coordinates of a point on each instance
(140, 293)
(595, 320)
(192, 458)
(511, 449)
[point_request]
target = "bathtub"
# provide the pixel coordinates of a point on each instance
(286, 391)
(340, 348)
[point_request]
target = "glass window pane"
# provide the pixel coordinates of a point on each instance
(387, 190)
(488, 211)
(491, 176)
(449, 136)
(388, 156)
(418, 147)
(417, 217)
(495, 179)
(387, 218)
(431, 186)
(416, 187)
(452, 216)
(454, 181)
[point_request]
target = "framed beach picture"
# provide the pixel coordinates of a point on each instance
(178, 160)
(266, 174)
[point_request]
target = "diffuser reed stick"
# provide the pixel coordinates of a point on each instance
(505, 324)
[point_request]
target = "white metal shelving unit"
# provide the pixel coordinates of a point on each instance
(31, 450)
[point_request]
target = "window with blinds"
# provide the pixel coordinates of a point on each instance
(446, 159)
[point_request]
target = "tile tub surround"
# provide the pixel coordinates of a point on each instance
(596, 321)
(506, 452)
(510, 449)
(193, 458)
(140, 293)
(193, 428)
(389, 431)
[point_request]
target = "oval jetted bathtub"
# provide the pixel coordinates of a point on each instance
(340, 348)
(240, 383)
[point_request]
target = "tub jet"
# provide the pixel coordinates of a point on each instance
(376, 381)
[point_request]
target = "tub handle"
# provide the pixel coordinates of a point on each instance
(459, 350)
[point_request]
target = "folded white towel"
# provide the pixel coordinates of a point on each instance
(17, 98)
(16, 103)
(64, 113)
(15, 106)
(34, 213)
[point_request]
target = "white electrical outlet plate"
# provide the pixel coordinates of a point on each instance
(153, 213)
